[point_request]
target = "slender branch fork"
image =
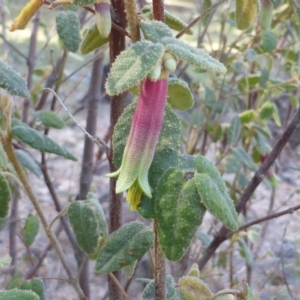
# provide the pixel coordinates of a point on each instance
(224, 233)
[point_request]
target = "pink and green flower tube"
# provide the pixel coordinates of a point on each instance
(143, 137)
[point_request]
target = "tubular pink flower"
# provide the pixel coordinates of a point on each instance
(143, 137)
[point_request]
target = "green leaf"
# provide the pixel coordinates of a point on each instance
(14, 282)
(194, 271)
(132, 66)
(245, 251)
(244, 158)
(34, 285)
(246, 13)
(12, 81)
(234, 130)
(31, 229)
(294, 101)
(49, 119)
(179, 94)
(269, 41)
(250, 54)
(186, 163)
(123, 247)
(192, 55)
(92, 40)
(68, 26)
(264, 77)
(27, 161)
(176, 199)
(129, 270)
(83, 2)
(192, 288)
(154, 31)
(149, 291)
(171, 20)
(4, 262)
(99, 212)
(84, 219)
(165, 154)
(213, 193)
(37, 140)
(233, 165)
(247, 116)
(5, 196)
(266, 111)
(16, 294)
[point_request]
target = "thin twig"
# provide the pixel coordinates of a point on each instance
(117, 283)
(290, 210)
(96, 140)
(203, 15)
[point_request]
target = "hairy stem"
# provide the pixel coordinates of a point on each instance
(132, 19)
(160, 268)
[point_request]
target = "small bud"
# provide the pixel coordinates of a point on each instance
(103, 17)
(169, 62)
(155, 73)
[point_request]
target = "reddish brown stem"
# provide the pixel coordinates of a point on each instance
(116, 46)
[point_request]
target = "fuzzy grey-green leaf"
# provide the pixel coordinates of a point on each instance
(192, 55)
(179, 213)
(179, 94)
(154, 31)
(192, 288)
(83, 2)
(28, 162)
(12, 81)
(149, 291)
(213, 193)
(34, 285)
(132, 66)
(68, 26)
(234, 130)
(123, 247)
(5, 196)
(37, 140)
(171, 20)
(86, 226)
(31, 229)
(92, 40)
(246, 13)
(49, 119)
(16, 294)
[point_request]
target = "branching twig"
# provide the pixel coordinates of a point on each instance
(223, 233)
(290, 210)
(203, 15)
(96, 140)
